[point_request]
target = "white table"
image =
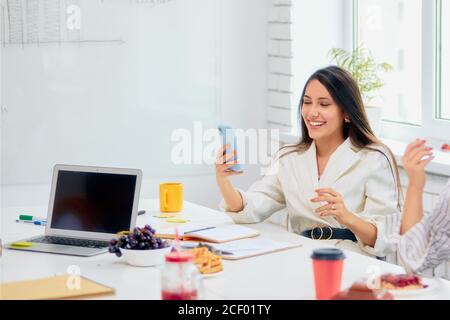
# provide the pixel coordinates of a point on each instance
(281, 275)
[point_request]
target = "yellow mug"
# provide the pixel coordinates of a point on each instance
(171, 197)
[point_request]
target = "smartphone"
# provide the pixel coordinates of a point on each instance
(229, 137)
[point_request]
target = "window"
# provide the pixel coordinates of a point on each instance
(414, 37)
(391, 30)
(445, 61)
(411, 35)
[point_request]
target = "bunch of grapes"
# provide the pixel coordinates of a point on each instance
(139, 239)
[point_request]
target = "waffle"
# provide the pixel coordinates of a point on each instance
(401, 282)
(206, 261)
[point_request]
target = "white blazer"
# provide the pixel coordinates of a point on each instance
(363, 177)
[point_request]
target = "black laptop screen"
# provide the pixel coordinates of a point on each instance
(94, 202)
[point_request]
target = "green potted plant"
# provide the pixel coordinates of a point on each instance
(365, 70)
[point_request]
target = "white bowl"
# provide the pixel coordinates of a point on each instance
(145, 258)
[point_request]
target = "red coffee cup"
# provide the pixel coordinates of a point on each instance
(327, 264)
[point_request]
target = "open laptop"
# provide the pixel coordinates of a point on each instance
(88, 206)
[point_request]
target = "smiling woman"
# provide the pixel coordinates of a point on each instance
(323, 118)
(337, 183)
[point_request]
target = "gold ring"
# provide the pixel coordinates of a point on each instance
(312, 233)
(331, 232)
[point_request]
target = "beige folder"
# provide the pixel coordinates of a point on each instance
(58, 287)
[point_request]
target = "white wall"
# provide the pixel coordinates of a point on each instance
(105, 103)
(301, 33)
(315, 31)
(243, 72)
(1, 118)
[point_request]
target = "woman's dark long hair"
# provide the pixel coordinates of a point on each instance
(345, 93)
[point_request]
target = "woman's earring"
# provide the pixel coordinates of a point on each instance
(347, 120)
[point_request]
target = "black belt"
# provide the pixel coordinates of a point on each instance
(328, 233)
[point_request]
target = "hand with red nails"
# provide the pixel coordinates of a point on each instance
(416, 157)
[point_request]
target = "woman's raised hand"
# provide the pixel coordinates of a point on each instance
(416, 157)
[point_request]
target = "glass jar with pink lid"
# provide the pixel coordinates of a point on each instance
(180, 278)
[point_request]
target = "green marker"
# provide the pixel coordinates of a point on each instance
(25, 217)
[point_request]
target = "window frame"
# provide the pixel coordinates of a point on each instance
(439, 71)
(432, 127)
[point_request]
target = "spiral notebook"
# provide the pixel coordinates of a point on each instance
(216, 234)
(246, 248)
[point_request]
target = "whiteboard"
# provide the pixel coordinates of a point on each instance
(110, 93)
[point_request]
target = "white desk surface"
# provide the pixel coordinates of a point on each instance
(281, 275)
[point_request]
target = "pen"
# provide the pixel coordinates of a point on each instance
(211, 248)
(24, 221)
(226, 253)
(191, 231)
(36, 222)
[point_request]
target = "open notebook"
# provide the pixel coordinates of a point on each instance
(58, 287)
(216, 234)
(244, 248)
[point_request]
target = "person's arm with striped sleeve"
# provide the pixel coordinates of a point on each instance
(427, 243)
(424, 242)
(420, 242)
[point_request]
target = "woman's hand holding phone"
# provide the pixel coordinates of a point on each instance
(224, 162)
(227, 165)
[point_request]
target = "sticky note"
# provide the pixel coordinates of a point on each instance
(177, 220)
(21, 244)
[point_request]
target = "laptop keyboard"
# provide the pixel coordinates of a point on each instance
(97, 244)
